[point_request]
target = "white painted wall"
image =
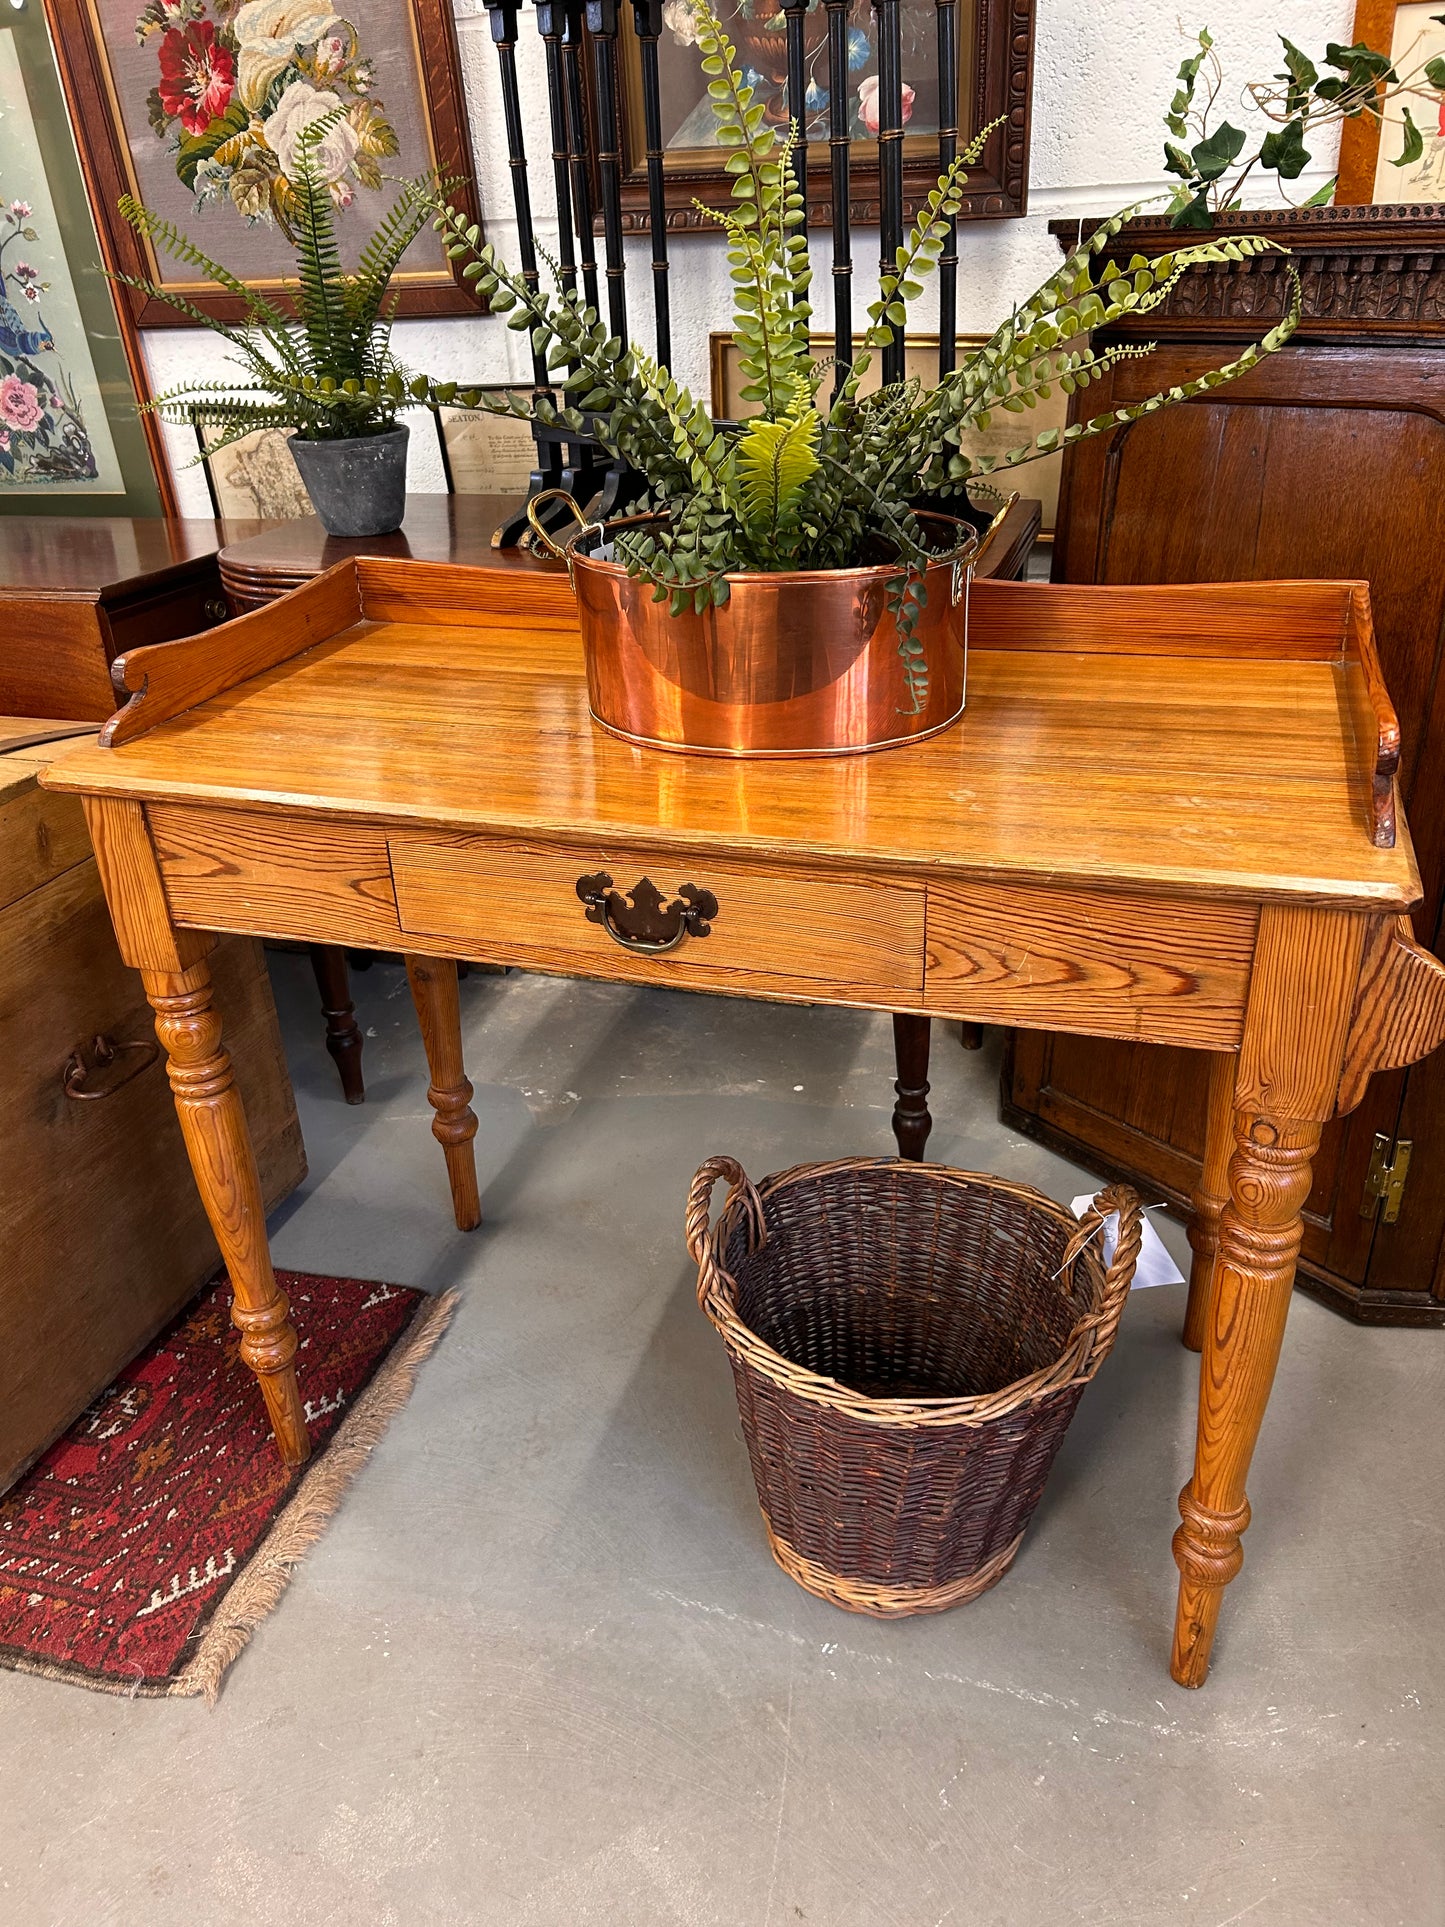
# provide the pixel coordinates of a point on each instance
(1103, 76)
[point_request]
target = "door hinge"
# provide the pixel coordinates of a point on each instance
(1385, 1179)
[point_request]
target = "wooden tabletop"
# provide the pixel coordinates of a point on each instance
(88, 555)
(1183, 772)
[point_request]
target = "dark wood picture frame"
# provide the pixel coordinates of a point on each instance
(106, 162)
(996, 75)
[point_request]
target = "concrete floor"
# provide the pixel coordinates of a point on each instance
(541, 1672)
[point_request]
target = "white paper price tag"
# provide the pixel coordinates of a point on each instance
(1155, 1266)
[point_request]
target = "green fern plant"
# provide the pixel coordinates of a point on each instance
(328, 371)
(799, 487)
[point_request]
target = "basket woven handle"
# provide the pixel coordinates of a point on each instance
(699, 1202)
(1104, 1323)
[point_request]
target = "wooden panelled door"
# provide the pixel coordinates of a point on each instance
(1327, 460)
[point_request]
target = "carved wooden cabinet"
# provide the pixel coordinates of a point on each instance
(1326, 460)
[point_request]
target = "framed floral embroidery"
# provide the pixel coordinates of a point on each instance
(71, 441)
(994, 39)
(197, 108)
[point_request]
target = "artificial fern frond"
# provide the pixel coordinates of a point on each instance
(167, 236)
(320, 301)
(775, 461)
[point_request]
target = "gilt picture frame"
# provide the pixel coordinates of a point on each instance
(195, 107)
(995, 41)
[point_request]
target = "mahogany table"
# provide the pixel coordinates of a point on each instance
(1167, 813)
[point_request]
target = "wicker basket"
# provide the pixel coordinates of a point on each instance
(908, 1343)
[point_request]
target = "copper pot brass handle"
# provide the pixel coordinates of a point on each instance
(640, 921)
(105, 1051)
(542, 535)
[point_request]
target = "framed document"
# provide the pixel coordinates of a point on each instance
(486, 454)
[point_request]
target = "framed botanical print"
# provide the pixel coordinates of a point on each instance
(995, 67)
(1377, 167)
(72, 441)
(196, 107)
(1039, 480)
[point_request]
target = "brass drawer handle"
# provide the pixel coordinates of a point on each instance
(105, 1051)
(639, 920)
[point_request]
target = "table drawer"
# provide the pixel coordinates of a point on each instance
(519, 903)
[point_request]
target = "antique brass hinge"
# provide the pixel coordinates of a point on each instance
(1385, 1178)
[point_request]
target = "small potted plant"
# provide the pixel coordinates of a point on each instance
(795, 582)
(328, 372)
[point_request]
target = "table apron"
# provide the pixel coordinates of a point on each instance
(1096, 960)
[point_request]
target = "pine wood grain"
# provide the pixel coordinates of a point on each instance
(518, 903)
(1301, 995)
(166, 679)
(134, 891)
(1111, 964)
(277, 876)
(1210, 1196)
(1174, 774)
(1285, 621)
(41, 835)
(1399, 1012)
(223, 1162)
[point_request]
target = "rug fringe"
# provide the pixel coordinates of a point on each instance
(305, 1518)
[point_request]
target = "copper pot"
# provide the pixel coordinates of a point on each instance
(802, 663)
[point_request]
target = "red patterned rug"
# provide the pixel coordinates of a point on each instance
(141, 1552)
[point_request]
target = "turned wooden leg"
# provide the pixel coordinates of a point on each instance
(1210, 1197)
(433, 983)
(911, 1119)
(343, 1033)
(1287, 1079)
(219, 1145)
(1259, 1240)
(971, 1036)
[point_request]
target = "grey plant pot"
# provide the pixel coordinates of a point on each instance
(357, 485)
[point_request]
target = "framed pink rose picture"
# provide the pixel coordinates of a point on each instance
(197, 107)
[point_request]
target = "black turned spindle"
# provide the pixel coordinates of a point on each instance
(602, 29)
(549, 25)
(504, 36)
(578, 145)
(548, 472)
(839, 143)
(890, 160)
(647, 18)
(947, 24)
(793, 12)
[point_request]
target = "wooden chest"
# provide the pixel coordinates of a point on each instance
(102, 1236)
